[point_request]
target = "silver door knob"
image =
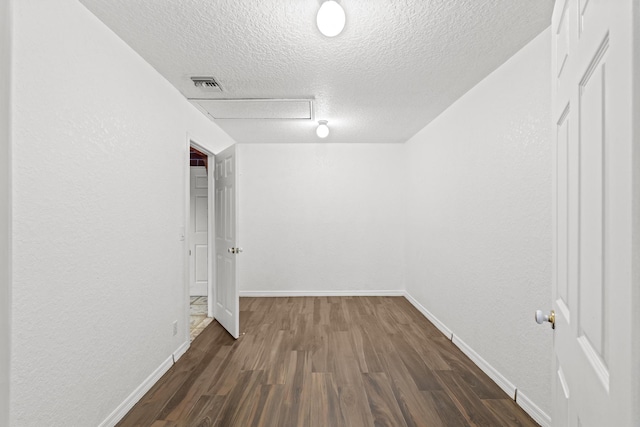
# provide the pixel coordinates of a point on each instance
(234, 250)
(551, 318)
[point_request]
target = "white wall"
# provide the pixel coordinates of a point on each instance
(479, 219)
(319, 217)
(635, 327)
(100, 149)
(5, 199)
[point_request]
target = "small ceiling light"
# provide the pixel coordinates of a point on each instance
(331, 18)
(323, 130)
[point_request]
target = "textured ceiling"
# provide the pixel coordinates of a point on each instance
(394, 68)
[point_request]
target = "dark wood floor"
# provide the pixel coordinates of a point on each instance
(330, 362)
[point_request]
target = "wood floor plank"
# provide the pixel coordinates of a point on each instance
(239, 405)
(222, 384)
(205, 412)
(326, 361)
(276, 367)
(470, 372)
(325, 409)
(418, 412)
(446, 408)
(355, 405)
(343, 362)
(422, 340)
(297, 397)
(191, 390)
(270, 413)
(415, 410)
(469, 404)
(384, 407)
(423, 377)
(320, 353)
(337, 318)
(482, 389)
(509, 413)
(357, 345)
(372, 351)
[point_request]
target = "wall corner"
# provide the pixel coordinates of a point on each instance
(5, 209)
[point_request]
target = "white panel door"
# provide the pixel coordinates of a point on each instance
(592, 116)
(198, 233)
(226, 307)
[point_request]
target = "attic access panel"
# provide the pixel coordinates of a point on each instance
(256, 108)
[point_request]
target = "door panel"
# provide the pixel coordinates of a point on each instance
(200, 256)
(561, 405)
(198, 233)
(591, 287)
(227, 302)
(562, 158)
(592, 81)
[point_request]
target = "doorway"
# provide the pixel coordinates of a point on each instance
(199, 240)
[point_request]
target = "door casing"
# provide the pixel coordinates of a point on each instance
(210, 231)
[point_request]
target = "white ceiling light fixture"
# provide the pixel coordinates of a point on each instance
(322, 130)
(331, 18)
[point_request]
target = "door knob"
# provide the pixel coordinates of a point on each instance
(234, 250)
(551, 318)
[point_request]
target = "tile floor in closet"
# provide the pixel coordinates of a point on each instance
(198, 319)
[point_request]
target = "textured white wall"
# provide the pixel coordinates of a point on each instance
(99, 199)
(321, 217)
(479, 218)
(636, 212)
(5, 199)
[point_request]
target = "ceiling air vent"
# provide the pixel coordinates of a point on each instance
(206, 83)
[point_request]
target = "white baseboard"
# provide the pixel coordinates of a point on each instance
(284, 294)
(181, 350)
(532, 409)
(426, 313)
(525, 403)
(137, 394)
(492, 372)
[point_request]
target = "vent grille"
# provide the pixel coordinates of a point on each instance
(206, 83)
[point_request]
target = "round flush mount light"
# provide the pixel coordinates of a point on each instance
(331, 18)
(322, 130)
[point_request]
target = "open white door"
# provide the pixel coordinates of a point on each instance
(198, 232)
(226, 307)
(592, 85)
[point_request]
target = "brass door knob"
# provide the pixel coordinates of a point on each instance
(551, 318)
